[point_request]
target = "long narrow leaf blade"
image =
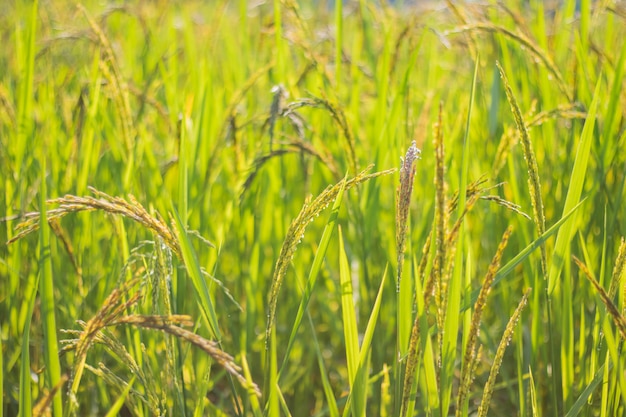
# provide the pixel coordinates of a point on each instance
(350, 330)
(577, 181)
(193, 269)
(117, 405)
(46, 293)
(369, 335)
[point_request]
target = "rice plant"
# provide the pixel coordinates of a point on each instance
(296, 208)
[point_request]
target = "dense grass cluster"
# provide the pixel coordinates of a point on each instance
(309, 208)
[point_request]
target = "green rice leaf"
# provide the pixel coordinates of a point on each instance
(119, 402)
(351, 332)
(46, 293)
(192, 266)
(577, 180)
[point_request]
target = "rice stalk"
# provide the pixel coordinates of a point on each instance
(470, 348)
(434, 281)
(414, 340)
(404, 297)
(453, 235)
(118, 350)
(618, 319)
(497, 361)
(473, 192)
(476, 188)
(440, 224)
(295, 233)
(520, 22)
(534, 183)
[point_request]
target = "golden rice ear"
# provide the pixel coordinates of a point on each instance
(171, 325)
(295, 233)
(112, 308)
(43, 405)
(131, 209)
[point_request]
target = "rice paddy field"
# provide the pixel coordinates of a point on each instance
(282, 208)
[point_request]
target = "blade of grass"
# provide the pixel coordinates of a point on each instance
(26, 96)
(589, 389)
(577, 180)
(202, 390)
(254, 400)
(87, 142)
(366, 344)
(466, 146)
(46, 293)
(612, 111)
(351, 333)
(533, 394)
(331, 401)
(278, 38)
(26, 401)
(117, 405)
(271, 387)
(192, 266)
